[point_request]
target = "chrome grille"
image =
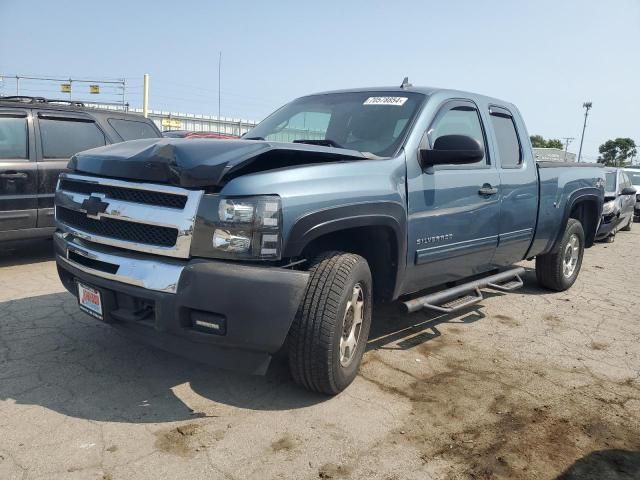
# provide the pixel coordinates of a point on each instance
(144, 217)
(117, 229)
(161, 199)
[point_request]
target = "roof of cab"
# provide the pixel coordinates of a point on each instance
(428, 91)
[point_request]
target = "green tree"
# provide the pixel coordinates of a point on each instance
(618, 152)
(538, 141)
(555, 143)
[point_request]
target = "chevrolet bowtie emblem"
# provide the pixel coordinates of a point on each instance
(94, 206)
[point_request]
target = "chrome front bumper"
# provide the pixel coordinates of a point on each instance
(161, 275)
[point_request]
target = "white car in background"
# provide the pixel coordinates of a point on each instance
(634, 175)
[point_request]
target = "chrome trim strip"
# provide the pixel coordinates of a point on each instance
(138, 270)
(153, 187)
(182, 220)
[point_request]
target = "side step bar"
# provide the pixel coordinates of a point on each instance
(462, 296)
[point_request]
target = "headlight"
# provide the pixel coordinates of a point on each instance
(608, 207)
(243, 228)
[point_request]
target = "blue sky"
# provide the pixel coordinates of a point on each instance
(547, 57)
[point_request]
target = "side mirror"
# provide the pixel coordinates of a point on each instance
(452, 150)
(628, 191)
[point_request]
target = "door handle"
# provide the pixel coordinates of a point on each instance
(487, 189)
(14, 176)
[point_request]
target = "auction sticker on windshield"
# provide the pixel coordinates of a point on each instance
(90, 301)
(397, 101)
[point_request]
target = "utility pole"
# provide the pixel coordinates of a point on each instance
(145, 96)
(219, 77)
(587, 106)
(567, 141)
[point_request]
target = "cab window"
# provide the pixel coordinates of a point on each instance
(507, 139)
(459, 120)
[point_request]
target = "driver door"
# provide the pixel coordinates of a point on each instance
(454, 210)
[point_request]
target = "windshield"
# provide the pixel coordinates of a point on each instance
(610, 185)
(634, 176)
(373, 122)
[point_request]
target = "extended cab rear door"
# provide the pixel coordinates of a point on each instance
(453, 209)
(519, 184)
(61, 134)
(18, 171)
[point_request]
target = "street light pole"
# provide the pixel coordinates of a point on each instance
(587, 106)
(219, 77)
(567, 141)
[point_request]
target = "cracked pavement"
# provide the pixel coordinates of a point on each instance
(531, 384)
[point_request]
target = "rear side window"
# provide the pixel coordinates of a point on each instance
(13, 137)
(63, 138)
(507, 138)
(634, 178)
(610, 184)
(625, 180)
(131, 129)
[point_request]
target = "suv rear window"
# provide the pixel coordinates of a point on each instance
(132, 129)
(13, 137)
(63, 138)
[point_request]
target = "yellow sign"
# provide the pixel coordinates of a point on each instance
(171, 123)
(94, 88)
(65, 88)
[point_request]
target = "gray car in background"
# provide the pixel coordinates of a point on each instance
(634, 175)
(619, 204)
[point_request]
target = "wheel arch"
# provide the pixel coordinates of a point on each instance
(586, 207)
(374, 230)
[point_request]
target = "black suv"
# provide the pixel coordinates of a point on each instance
(37, 138)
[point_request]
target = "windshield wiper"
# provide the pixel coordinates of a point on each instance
(327, 142)
(252, 138)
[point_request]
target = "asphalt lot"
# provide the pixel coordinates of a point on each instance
(529, 385)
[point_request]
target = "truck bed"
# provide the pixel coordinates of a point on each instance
(559, 183)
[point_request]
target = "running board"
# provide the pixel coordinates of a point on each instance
(462, 296)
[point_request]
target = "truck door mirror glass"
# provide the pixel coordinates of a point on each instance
(628, 191)
(452, 150)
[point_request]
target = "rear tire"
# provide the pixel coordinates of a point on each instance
(329, 334)
(558, 271)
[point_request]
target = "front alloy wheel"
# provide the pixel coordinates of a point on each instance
(329, 334)
(353, 317)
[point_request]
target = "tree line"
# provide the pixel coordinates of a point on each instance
(618, 152)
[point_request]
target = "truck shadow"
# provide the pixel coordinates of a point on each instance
(605, 465)
(55, 356)
(26, 252)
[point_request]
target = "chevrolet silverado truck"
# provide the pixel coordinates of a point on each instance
(229, 251)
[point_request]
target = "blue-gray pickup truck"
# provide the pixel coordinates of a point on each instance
(228, 251)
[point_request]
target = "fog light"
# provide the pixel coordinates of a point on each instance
(208, 322)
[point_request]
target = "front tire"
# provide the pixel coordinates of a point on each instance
(628, 227)
(329, 334)
(558, 271)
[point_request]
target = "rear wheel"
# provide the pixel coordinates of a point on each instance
(330, 332)
(558, 271)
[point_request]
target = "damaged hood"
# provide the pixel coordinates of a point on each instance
(200, 162)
